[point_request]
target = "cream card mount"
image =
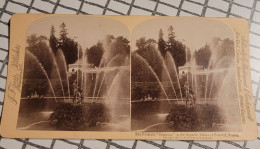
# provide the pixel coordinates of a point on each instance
(128, 77)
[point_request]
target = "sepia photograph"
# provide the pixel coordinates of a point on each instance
(183, 77)
(128, 77)
(76, 75)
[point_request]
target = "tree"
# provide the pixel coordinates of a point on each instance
(38, 46)
(171, 38)
(144, 61)
(150, 42)
(53, 42)
(95, 53)
(39, 57)
(33, 79)
(72, 51)
(114, 46)
(188, 54)
(63, 33)
(109, 39)
(144, 82)
(225, 48)
(142, 43)
(33, 40)
(147, 50)
(202, 56)
(120, 46)
(161, 43)
(176, 48)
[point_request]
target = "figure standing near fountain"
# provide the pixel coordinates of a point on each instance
(80, 96)
(75, 91)
(190, 96)
(186, 88)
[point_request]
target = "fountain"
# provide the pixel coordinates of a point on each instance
(212, 89)
(105, 91)
(63, 65)
(172, 70)
(108, 84)
(35, 60)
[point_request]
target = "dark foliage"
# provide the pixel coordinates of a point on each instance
(96, 113)
(114, 46)
(68, 46)
(176, 48)
(95, 53)
(144, 82)
(120, 46)
(141, 73)
(38, 46)
(77, 117)
(70, 50)
(53, 42)
(161, 43)
(202, 56)
(141, 91)
(34, 79)
(146, 49)
(201, 117)
(225, 47)
(41, 86)
(142, 43)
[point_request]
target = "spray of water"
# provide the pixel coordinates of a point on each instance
(43, 70)
(65, 67)
(78, 68)
(172, 63)
(98, 76)
(109, 64)
(218, 71)
(146, 64)
(166, 70)
(186, 53)
(114, 86)
(57, 70)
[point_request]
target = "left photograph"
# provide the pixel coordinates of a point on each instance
(76, 75)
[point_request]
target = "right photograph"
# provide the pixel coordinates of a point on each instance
(183, 77)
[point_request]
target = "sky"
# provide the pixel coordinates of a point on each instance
(194, 32)
(86, 30)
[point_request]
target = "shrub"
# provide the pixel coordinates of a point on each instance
(67, 116)
(193, 118)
